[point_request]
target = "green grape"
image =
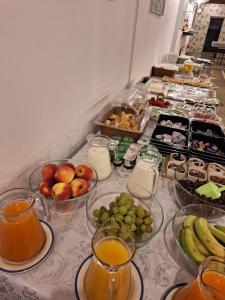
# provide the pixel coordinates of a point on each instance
(130, 198)
(115, 210)
(143, 227)
(103, 209)
(135, 207)
(139, 221)
(128, 204)
(124, 226)
(132, 208)
(148, 221)
(119, 217)
(128, 219)
(97, 213)
(140, 212)
(111, 204)
(115, 225)
(104, 217)
(147, 213)
(122, 202)
(130, 213)
(149, 229)
(123, 210)
(132, 227)
(123, 235)
(117, 198)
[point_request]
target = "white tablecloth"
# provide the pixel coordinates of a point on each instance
(54, 278)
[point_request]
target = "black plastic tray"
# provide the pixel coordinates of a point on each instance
(216, 129)
(174, 119)
(217, 141)
(168, 148)
(207, 159)
(159, 129)
(164, 152)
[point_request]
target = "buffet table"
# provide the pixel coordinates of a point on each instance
(158, 261)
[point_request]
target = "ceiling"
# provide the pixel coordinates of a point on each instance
(217, 1)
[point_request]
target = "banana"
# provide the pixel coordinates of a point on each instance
(182, 242)
(189, 222)
(190, 246)
(208, 240)
(219, 235)
(221, 228)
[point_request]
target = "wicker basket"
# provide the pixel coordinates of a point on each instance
(110, 130)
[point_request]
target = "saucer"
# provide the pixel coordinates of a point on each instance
(37, 260)
(137, 289)
(168, 295)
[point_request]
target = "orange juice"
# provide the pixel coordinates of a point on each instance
(212, 288)
(215, 283)
(21, 234)
(98, 279)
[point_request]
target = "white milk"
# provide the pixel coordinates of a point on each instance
(143, 181)
(98, 157)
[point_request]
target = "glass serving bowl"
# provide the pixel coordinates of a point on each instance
(107, 193)
(62, 206)
(213, 215)
(185, 197)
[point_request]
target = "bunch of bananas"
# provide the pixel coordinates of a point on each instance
(200, 239)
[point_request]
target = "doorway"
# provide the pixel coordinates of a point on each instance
(213, 33)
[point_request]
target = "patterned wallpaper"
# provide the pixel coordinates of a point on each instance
(201, 24)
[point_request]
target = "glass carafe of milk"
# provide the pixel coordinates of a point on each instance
(98, 155)
(143, 181)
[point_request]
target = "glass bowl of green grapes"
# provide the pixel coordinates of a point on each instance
(112, 205)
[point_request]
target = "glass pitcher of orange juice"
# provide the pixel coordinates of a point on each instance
(109, 274)
(21, 234)
(210, 283)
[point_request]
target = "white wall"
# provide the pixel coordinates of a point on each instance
(58, 59)
(153, 37)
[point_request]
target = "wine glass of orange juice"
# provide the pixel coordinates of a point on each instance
(109, 274)
(210, 283)
(21, 234)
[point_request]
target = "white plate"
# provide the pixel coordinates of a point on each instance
(137, 289)
(37, 260)
(169, 294)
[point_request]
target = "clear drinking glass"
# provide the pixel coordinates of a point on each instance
(109, 274)
(21, 234)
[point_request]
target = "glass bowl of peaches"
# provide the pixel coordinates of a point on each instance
(64, 186)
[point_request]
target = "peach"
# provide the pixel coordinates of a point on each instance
(45, 187)
(79, 186)
(64, 174)
(61, 191)
(48, 171)
(84, 171)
